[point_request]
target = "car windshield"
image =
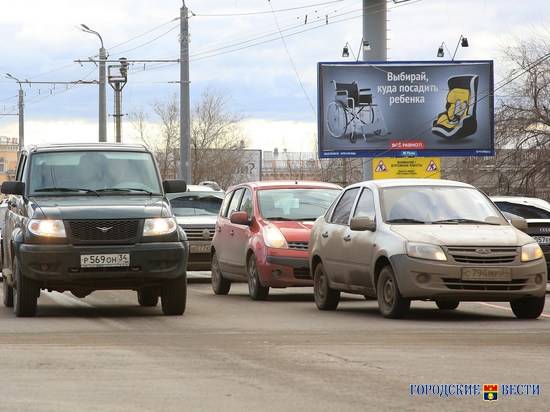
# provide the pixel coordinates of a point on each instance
(93, 172)
(197, 204)
(524, 211)
(438, 204)
(295, 204)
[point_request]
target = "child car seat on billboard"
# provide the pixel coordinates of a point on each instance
(459, 118)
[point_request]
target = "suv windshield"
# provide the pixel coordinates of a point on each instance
(93, 172)
(525, 211)
(196, 203)
(295, 204)
(438, 204)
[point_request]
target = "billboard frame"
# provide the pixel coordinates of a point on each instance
(370, 153)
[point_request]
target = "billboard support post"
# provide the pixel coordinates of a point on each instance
(374, 31)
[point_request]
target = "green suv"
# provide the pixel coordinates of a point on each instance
(88, 217)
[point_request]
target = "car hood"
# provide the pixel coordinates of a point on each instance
(294, 231)
(200, 220)
(100, 207)
(463, 235)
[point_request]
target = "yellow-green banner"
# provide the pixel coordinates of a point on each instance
(403, 167)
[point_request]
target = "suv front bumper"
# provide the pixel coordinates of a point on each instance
(425, 279)
(60, 264)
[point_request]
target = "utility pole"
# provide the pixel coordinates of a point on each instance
(185, 112)
(375, 14)
(118, 77)
(21, 112)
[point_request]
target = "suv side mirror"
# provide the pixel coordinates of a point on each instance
(519, 223)
(362, 224)
(174, 186)
(240, 218)
(13, 188)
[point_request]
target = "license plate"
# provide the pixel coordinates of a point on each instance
(542, 240)
(199, 248)
(488, 274)
(105, 260)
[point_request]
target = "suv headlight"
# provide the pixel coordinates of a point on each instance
(159, 226)
(47, 228)
(531, 251)
(273, 237)
(425, 251)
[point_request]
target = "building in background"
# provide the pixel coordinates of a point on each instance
(8, 157)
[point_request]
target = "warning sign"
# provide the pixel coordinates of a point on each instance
(406, 167)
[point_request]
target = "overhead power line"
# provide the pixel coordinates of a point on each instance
(250, 13)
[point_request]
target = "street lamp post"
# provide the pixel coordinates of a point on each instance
(21, 112)
(102, 85)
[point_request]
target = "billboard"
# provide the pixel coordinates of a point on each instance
(405, 109)
(251, 167)
(406, 167)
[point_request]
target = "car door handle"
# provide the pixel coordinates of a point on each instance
(347, 238)
(325, 234)
(231, 232)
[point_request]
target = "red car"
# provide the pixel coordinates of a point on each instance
(262, 235)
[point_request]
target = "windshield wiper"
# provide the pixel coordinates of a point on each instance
(406, 220)
(472, 221)
(278, 218)
(125, 189)
(65, 189)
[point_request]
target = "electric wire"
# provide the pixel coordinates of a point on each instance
(264, 11)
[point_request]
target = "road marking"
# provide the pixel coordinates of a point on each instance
(508, 309)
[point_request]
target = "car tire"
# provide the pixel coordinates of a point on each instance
(390, 302)
(174, 296)
(220, 285)
(147, 297)
(8, 294)
(447, 304)
(255, 289)
(528, 308)
(325, 297)
(25, 294)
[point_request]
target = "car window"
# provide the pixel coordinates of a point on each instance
(20, 168)
(246, 202)
(196, 204)
(235, 200)
(365, 205)
(341, 213)
(225, 204)
(525, 211)
(296, 203)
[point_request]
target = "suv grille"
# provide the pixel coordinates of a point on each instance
(114, 231)
(482, 255)
(298, 245)
(199, 233)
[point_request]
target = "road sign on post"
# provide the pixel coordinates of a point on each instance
(405, 109)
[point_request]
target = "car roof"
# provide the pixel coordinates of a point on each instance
(282, 184)
(200, 188)
(530, 201)
(381, 183)
(61, 147)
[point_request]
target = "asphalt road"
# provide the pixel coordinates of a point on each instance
(105, 353)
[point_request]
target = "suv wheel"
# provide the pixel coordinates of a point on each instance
(326, 298)
(8, 293)
(147, 297)
(528, 308)
(255, 288)
(220, 285)
(174, 296)
(390, 302)
(25, 294)
(447, 304)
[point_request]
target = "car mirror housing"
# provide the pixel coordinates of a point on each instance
(13, 188)
(519, 223)
(240, 218)
(362, 224)
(174, 186)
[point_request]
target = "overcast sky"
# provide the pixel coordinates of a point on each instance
(40, 41)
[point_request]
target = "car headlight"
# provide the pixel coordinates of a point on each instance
(531, 251)
(159, 226)
(273, 237)
(425, 251)
(47, 228)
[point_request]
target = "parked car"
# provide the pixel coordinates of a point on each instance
(537, 214)
(406, 239)
(196, 212)
(262, 235)
(89, 217)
